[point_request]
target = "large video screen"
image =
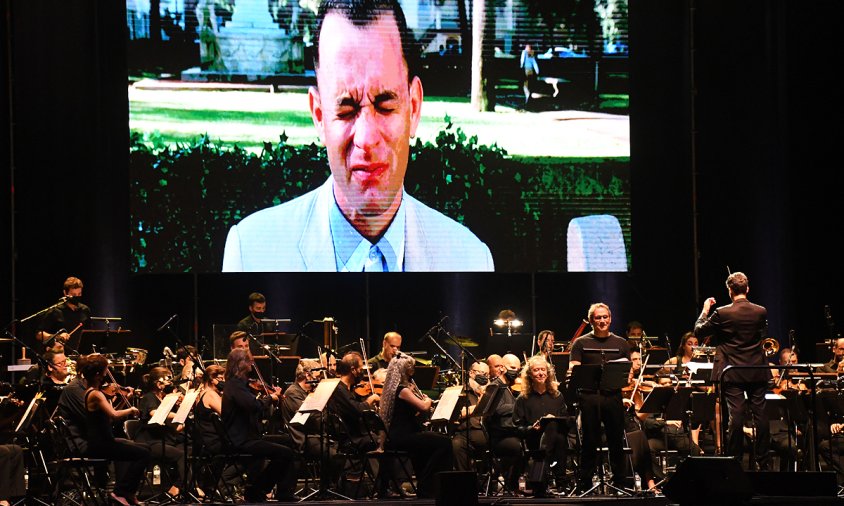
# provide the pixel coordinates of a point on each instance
(484, 136)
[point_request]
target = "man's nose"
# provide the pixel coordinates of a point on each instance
(366, 133)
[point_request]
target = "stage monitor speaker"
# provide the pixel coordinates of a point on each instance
(708, 480)
(785, 484)
(457, 488)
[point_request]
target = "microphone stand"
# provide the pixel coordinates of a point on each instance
(197, 363)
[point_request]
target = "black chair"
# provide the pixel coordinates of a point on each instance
(229, 461)
(131, 428)
(389, 459)
(71, 467)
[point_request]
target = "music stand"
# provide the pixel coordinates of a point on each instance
(316, 402)
(446, 411)
(560, 361)
(595, 378)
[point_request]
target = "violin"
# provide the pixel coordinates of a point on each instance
(365, 389)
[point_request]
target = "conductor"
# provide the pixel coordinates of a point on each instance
(738, 330)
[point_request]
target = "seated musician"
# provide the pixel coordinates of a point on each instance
(12, 473)
(786, 379)
(669, 434)
(401, 402)
(346, 406)
(496, 366)
(164, 442)
(504, 437)
(294, 396)
(130, 458)
(55, 379)
(238, 339)
(242, 413)
(189, 359)
(836, 364)
(634, 395)
(389, 347)
(467, 442)
(685, 354)
(540, 399)
(545, 344)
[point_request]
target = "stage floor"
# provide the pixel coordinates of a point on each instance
(631, 501)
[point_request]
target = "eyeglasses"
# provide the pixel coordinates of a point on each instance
(60, 364)
(601, 317)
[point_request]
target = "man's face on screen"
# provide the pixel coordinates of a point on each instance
(365, 113)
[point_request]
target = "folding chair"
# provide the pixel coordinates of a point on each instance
(385, 456)
(73, 468)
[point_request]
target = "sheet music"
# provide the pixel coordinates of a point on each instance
(447, 403)
(186, 406)
(167, 403)
(28, 411)
(316, 401)
(300, 418)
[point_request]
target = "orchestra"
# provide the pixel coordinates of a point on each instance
(519, 418)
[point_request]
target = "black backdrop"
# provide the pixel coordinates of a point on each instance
(734, 166)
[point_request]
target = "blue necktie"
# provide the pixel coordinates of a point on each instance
(375, 262)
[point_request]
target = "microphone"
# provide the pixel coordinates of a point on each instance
(53, 337)
(437, 326)
(167, 322)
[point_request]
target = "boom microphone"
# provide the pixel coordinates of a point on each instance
(167, 323)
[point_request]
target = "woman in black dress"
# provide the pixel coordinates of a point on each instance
(401, 403)
(165, 442)
(130, 458)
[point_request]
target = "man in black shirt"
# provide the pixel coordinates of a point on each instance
(464, 443)
(64, 320)
(344, 404)
(389, 347)
(597, 406)
(257, 307)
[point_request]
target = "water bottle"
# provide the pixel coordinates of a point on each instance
(26, 479)
(637, 482)
(595, 480)
(522, 483)
(156, 475)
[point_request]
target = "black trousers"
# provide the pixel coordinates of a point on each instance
(734, 396)
(553, 443)
(11, 472)
(273, 466)
(430, 453)
(465, 447)
(130, 462)
(173, 456)
(595, 409)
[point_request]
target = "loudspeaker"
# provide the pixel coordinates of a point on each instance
(457, 488)
(783, 484)
(708, 480)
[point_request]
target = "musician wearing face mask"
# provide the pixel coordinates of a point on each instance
(504, 437)
(294, 396)
(344, 403)
(253, 322)
(69, 317)
(463, 443)
(242, 419)
(164, 442)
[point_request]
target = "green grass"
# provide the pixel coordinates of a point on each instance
(250, 119)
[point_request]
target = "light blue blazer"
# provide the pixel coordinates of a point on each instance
(296, 237)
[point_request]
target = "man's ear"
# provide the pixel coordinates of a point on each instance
(315, 104)
(416, 95)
